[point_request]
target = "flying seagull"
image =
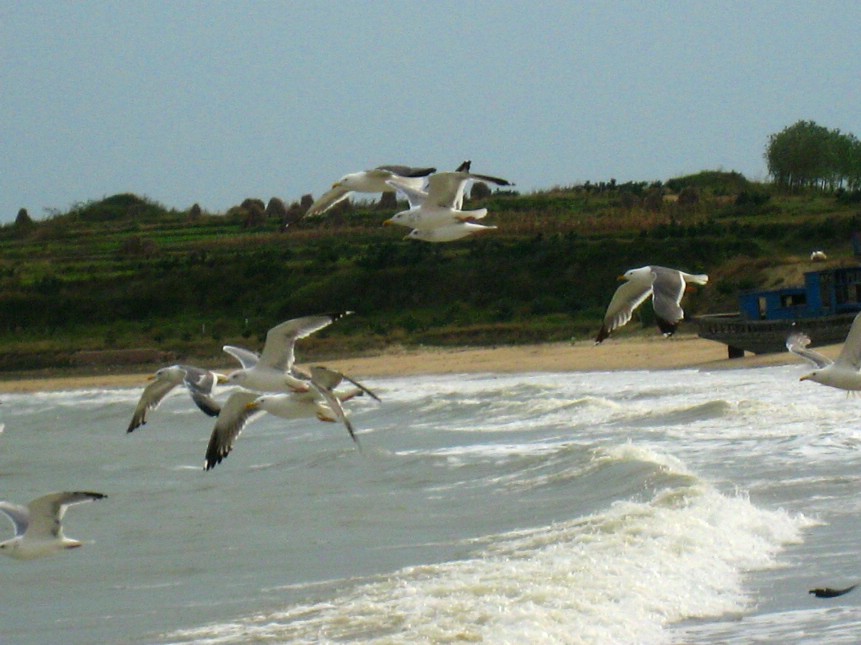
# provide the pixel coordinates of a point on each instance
(368, 181)
(441, 204)
(199, 383)
(38, 528)
(324, 381)
(842, 373)
(273, 370)
(666, 286)
(828, 592)
(243, 406)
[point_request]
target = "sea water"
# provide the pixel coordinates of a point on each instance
(678, 506)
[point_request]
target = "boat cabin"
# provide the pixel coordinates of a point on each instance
(825, 293)
(824, 308)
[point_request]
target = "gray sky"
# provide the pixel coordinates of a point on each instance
(212, 102)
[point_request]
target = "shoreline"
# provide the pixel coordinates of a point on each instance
(626, 353)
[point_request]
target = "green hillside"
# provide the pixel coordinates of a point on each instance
(125, 272)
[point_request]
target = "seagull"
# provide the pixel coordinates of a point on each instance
(441, 203)
(828, 592)
(448, 233)
(273, 370)
(323, 382)
(666, 286)
(842, 373)
(199, 383)
(369, 181)
(38, 531)
(243, 406)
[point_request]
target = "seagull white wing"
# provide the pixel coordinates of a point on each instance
(797, 344)
(327, 200)
(445, 189)
(19, 515)
(281, 339)
(850, 355)
(246, 357)
(448, 232)
(151, 397)
(234, 416)
(415, 196)
(627, 298)
(370, 181)
(47, 512)
(668, 286)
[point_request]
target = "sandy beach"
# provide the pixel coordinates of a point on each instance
(652, 352)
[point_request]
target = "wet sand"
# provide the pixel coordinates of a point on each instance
(632, 353)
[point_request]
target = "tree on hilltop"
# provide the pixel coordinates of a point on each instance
(23, 218)
(808, 155)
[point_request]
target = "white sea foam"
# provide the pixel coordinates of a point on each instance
(622, 575)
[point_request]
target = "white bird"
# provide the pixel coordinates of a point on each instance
(243, 406)
(441, 203)
(368, 181)
(448, 233)
(842, 373)
(38, 528)
(666, 286)
(199, 382)
(273, 370)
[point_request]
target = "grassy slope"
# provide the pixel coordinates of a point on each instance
(127, 273)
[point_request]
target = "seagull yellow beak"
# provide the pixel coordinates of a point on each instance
(388, 222)
(221, 379)
(805, 377)
(151, 377)
(253, 405)
(621, 278)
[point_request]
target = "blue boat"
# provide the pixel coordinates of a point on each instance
(823, 308)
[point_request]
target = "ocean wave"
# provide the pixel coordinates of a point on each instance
(677, 415)
(621, 575)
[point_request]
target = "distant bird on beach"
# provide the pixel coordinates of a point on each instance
(368, 181)
(842, 373)
(243, 406)
(198, 381)
(38, 527)
(666, 286)
(273, 370)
